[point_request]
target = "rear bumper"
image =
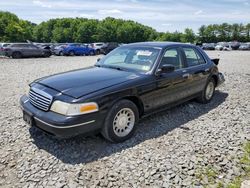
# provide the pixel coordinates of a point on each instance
(60, 125)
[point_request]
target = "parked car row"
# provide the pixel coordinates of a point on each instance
(84, 49)
(19, 50)
(226, 46)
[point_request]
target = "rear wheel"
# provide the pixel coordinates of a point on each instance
(92, 53)
(120, 122)
(16, 55)
(208, 92)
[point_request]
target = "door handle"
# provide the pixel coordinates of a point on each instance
(187, 75)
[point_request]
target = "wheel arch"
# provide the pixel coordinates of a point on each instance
(137, 101)
(17, 51)
(215, 77)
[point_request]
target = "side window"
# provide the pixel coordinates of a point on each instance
(193, 57)
(172, 57)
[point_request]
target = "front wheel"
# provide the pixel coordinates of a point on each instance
(16, 55)
(208, 92)
(120, 122)
(71, 53)
(47, 54)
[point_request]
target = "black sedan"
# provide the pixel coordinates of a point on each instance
(130, 82)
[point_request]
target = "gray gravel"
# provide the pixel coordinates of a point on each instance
(173, 148)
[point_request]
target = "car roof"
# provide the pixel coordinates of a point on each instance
(157, 44)
(21, 43)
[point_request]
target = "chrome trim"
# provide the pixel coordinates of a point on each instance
(66, 127)
(40, 99)
(38, 91)
(25, 101)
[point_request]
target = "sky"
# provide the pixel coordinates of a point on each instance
(162, 15)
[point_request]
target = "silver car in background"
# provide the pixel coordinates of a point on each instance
(19, 50)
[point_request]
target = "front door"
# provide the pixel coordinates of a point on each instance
(168, 87)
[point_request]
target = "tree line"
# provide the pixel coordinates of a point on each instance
(83, 30)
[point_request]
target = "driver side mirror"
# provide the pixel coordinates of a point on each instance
(167, 68)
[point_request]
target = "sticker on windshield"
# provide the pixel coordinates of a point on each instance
(146, 68)
(144, 53)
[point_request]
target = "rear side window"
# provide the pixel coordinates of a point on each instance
(193, 57)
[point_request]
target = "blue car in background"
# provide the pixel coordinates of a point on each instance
(78, 49)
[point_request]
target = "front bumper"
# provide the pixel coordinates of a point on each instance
(221, 79)
(60, 125)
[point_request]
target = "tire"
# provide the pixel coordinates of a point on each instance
(120, 121)
(61, 53)
(47, 54)
(16, 55)
(208, 92)
(71, 53)
(98, 52)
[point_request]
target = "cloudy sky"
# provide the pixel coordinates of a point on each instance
(163, 15)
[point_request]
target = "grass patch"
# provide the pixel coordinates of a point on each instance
(209, 175)
(245, 163)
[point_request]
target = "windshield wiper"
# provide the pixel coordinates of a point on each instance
(117, 68)
(110, 67)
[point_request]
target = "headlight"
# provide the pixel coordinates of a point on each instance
(73, 109)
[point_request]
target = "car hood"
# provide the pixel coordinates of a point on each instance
(81, 82)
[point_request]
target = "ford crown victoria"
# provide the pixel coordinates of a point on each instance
(129, 83)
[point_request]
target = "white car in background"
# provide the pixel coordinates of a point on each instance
(97, 46)
(220, 45)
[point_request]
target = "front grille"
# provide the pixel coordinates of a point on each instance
(40, 99)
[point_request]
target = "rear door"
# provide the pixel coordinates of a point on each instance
(197, 70)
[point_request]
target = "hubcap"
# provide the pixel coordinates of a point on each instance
(124, 122)
(209, 90)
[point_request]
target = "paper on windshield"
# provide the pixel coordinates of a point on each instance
(144, 53)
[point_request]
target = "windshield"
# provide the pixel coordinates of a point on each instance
(134, 58)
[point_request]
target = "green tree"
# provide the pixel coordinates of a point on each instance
(188, 36)
(87, 31)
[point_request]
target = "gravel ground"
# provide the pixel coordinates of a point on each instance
(174, 148)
